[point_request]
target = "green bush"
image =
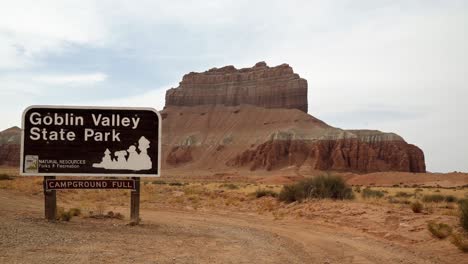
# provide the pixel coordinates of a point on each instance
(320, 187)
(262, 192)
(463, 206)
(440, 230)
(417, 207)
(369, 193)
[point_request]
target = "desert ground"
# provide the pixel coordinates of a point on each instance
(235, 220)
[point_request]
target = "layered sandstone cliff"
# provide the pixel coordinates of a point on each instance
(10, 146)
(270, 87)
(255, 119)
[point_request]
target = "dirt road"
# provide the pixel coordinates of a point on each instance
(185, 237)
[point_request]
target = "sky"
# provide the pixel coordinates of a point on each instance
(395, 66)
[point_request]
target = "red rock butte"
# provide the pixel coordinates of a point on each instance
(275, 87)
(255, 119)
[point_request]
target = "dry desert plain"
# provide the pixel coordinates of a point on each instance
(228, 219)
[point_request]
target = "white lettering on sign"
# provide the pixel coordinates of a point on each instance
(70, 119)
(115, 120)
(101, 136)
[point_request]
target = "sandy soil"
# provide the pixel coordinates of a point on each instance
(330, 232)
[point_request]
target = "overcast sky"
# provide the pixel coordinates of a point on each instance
(396, 66)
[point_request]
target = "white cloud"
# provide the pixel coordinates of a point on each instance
(154, 98)
(30, 28)
(73, 79)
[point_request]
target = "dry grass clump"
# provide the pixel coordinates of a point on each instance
(404, 194)
(320, 187)
(63, 215)
(264, 192)
(417, 207)
(230, 186)
(460, 242)
(75, 211)
(4, 176)
(437, 198)
(463, 207)
(439, 230)
(369, 193)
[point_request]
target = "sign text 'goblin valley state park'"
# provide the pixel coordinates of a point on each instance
(90, 141)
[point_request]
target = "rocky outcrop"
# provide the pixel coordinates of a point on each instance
(269, 87)
(10, 146)
(350, 154)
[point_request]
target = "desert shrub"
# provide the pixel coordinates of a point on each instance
(418, 190)
(176, 184)
(230, 186)
(450, 199)
(75, 211)
(320, 187)
(434, 198)
(417, 207)
(4, 176)
(65, 216)
(369, 193)
(439, 230)
(357, 189)
(395, 185)
(291, 193)
(403, 194)
(463, 206)
(263, 192)
(437, 190)
(160, 182)
(460, 242)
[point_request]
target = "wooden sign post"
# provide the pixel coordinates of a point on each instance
(135, 203)
(50, 201)
(90, 141)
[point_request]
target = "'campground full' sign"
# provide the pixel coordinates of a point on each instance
(90, 141)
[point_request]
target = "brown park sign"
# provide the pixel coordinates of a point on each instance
(90, 141)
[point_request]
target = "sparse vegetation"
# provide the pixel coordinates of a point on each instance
(439, 230)
(403, 194)
(437, 198)
(75, 211)
(4, 176)
(369, 193)
(357, 189)
(160, 182)
(65, 216)
(417, 207)
(263, 192)
(320, 187)
(176, 184)
(463, 206)
(460, 242)
(230, 186)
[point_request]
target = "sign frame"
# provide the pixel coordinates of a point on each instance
(22, 173)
